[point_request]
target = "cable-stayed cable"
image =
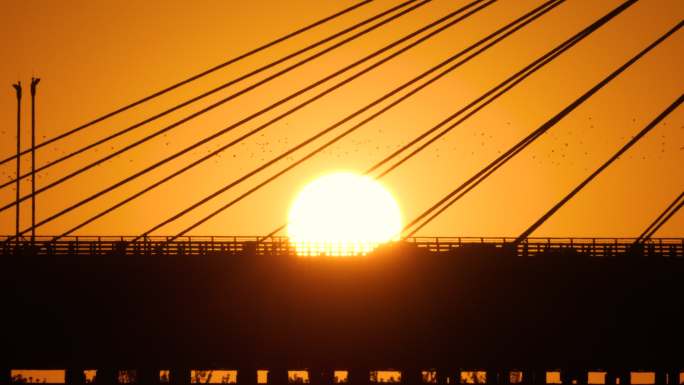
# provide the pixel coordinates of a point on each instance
(499, 89)
(190, 79)
(217, 104)
(476, 179)
(274, 120)
(665, 216)
(223, 86)
(530, 15)
(600, 169)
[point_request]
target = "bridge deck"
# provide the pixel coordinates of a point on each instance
(205, 245)
(448, 304)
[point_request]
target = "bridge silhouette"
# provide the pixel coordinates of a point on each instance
(256, 245)
(420, 306)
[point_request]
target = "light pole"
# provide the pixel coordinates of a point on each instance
(34, 84)
(17, 88)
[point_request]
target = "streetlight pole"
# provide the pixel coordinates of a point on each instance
(17, 88)
(34, 84)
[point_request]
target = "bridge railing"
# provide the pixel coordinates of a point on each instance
(595, 247)
(128, 245)
(233, 245)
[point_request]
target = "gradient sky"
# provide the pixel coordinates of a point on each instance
(96, 56)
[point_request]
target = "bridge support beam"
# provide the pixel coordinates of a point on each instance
(359, 376)
(318, 376)
(179, 376)
(411, 376)
(575, 376)
(147, 376)
(443, 376)
(247, 376)
(277, 376)
(496, 377)
(106, 376)
(534, 376)
(612, 377)
(74, 376)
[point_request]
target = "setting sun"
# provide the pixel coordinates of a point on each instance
(343, 214)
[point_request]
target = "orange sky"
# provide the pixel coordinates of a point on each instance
(96, 56)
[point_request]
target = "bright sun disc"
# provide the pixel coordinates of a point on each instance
(342, 214)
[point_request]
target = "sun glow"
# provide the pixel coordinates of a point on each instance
(342, 214)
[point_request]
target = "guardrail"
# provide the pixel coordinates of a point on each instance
(595, 247)
(233, 245)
